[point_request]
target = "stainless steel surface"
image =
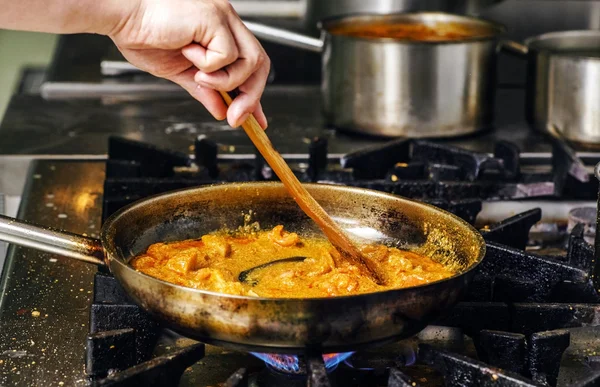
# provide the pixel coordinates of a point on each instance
(271, 8)
(13, 171)
(71, 90)
(513, 47)
(271, 324)
(3, 245)
(50, 240)
(278, 35)
(48, 349)
(78, 129)
(113, 67)
(392, 88)
(563, 80)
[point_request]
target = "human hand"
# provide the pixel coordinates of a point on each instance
(203, 46)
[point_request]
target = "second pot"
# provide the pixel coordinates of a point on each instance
(390, 87)
(563, 83)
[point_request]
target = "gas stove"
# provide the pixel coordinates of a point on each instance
(528, 319)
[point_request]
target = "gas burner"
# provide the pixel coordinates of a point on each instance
(293, 365)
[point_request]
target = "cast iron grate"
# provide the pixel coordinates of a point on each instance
(423, 170)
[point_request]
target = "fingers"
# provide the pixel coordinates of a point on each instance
(251, 57)
(214, 103)
(228, 78)
(210, 98)
(243, 65)
(220, 51)
(260, 116)
(248, 100)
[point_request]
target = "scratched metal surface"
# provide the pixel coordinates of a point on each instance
(45, 299)
(33, 126)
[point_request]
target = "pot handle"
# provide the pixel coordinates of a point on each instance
(285, 37)
(51, 241)
(512, 47)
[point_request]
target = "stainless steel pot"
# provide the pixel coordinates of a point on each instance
(387, 87)
(563, 83)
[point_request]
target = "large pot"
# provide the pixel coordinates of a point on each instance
(563, 83)
(388, 87)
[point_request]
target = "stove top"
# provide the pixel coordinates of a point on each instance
(530, 317)
(510, 328)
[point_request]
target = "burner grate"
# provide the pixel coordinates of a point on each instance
(161, 371)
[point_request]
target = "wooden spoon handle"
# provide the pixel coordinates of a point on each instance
(304, 199)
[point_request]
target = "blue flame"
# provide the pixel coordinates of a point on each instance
(333, 359)
(290, 364)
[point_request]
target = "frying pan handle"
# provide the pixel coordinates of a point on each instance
(285, 37)
(512, 47)
(50, 240)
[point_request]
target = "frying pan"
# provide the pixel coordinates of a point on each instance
(328, 325)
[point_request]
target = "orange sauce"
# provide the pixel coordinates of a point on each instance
(215, 261)
(413, 32)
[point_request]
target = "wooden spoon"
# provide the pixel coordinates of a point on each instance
(306, 202)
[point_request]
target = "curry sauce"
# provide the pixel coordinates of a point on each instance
(215, 262)
(438, 32)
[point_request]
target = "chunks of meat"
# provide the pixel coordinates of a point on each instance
(145, 262)
(217, 245)
(338, 284)
(160, 251)
(283, 238)
(320, 266)
(183, 261)
(215, 262)
(216, 281)
(398, 260)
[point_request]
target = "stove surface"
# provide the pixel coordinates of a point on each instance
(44, 309)
(51, 316)
(34, 126)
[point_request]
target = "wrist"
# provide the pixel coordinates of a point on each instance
(116, 16)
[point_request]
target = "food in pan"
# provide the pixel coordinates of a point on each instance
(414, 32)
(215, 262)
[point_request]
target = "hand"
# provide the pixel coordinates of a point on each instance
(203, 46)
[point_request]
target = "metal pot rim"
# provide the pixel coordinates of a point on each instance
(325, 24)
(533, 43)
(131, 207)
